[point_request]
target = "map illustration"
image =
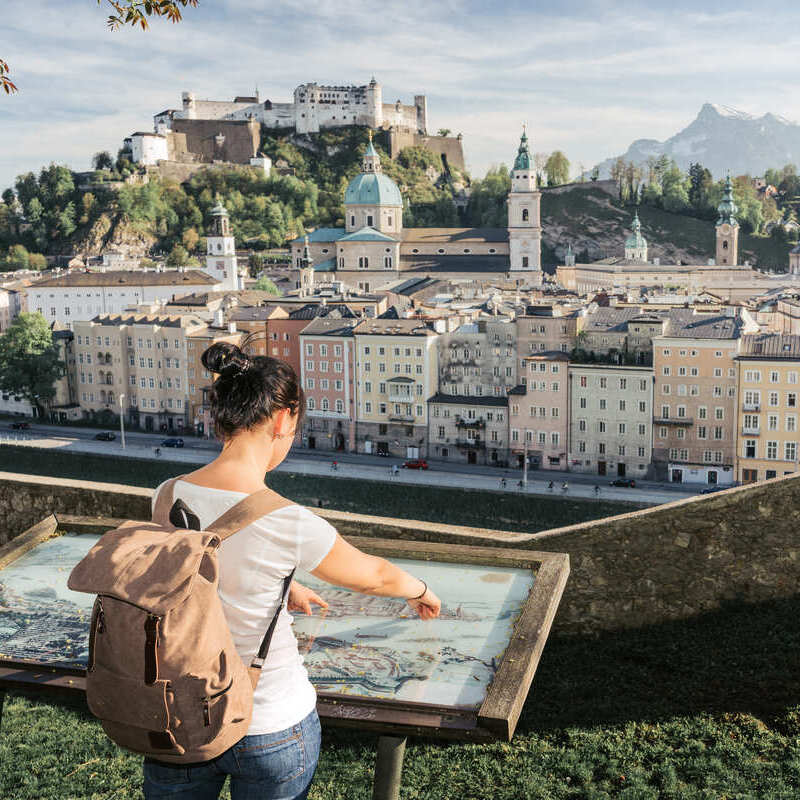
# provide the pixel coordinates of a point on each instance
(362, 645)
(378, 647)
(40, 618)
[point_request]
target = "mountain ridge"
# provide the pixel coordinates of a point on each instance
(722, 139)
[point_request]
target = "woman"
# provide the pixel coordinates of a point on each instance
(257, 404)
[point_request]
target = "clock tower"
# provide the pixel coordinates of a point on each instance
(727, 229)
(221, 253)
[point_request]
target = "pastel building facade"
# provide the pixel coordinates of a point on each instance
(694, 407)
(468, 430)
(328, 380)
(539, 412)
(768, 371)
(611, 422)
(397, 373)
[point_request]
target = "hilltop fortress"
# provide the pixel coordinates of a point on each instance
(221, 131)
(314, 108)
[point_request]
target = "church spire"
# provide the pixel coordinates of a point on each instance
(372, 161)
(727, 208)
(523, 160)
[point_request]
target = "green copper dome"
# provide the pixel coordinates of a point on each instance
(727, 208)
(372, 189)
(523, 160)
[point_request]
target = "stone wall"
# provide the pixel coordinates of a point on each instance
(241, 142)
(664, 563)
(449, 146)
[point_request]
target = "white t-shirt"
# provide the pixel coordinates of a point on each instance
(252, 566)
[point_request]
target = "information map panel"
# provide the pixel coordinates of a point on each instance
(361, 646)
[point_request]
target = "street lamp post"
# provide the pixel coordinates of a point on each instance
(122, 419)
(525, 460)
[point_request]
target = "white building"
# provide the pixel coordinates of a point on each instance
(10, 306)
(148, 148)
(83, 295)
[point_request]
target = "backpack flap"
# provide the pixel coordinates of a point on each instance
(144, 564)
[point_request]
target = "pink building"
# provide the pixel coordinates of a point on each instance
(327, 370)
(538, 411)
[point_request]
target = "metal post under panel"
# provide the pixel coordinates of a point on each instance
(388, 768)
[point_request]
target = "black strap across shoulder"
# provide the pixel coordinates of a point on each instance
(258, 661)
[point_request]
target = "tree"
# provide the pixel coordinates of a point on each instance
(557, 169)
(37, 261)
(178, 257)
(103, 160)
(29, 362)
(18, 257)
(190, 239)
(443, 132)
(266, 285)
(123, 12)
(147, 263)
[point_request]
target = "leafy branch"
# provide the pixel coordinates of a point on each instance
(136, 12)
(5, 82)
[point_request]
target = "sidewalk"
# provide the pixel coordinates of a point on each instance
(301, 465)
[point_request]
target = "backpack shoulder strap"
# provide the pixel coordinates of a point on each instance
(164, 501)
(247, 511)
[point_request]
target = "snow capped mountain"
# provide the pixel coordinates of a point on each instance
(721, 139)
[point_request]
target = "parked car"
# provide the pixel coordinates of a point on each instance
(105, 436)
(416, 463)
(20, 426)
(628, 483)
(172, 443)
(712, 489)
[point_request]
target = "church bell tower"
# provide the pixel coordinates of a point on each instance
(221, 250)
(727, 229)
(524, 224)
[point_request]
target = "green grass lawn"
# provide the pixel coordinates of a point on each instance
(454, 506)
(707, 708)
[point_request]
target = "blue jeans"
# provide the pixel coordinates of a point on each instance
(272, 766)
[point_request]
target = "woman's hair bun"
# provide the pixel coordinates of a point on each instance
(226, 359)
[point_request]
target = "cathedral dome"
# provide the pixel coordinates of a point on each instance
(372, 189)
(636, 240)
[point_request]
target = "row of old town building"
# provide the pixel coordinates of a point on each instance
(427, 348)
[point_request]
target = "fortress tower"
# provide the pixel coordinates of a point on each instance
(524, 224)
(374, 104)
(727, 229)
(221, 250)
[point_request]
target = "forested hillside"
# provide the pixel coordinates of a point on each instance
(52, 214)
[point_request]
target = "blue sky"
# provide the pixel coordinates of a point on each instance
(588, 78)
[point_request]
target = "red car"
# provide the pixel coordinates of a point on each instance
(417, 463)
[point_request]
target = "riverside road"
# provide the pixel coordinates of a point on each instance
(349, 465)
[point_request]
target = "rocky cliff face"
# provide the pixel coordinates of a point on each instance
(722, 139)
(117, 234)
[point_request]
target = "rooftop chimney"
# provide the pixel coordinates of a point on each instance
(231, 327)
(219, 318)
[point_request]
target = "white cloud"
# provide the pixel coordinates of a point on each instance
(588, 80)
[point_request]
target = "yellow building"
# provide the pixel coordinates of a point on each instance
(768, 366)
(136, 363)
(397, 369)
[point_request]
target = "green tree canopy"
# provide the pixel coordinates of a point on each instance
(557, 169)
(178, 257)
(264, 284)
(29, 362)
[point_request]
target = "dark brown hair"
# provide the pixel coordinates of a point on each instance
(249, 389)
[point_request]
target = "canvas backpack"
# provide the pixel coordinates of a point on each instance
(163, 675)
